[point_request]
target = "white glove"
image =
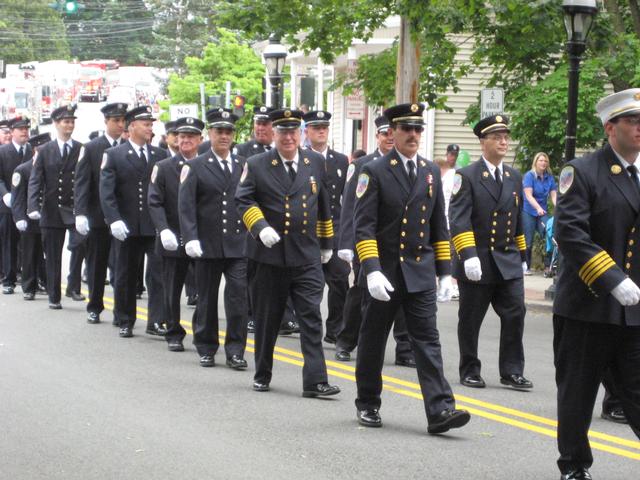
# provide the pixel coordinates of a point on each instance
(6, 198)
(169, 240)
(21, 225)
(378, 286)
(346, 255)
(82, 224)
(269, 237)
(193, 248)
(472, 269)
(119, 230)
(445, 288)
(325, 255)
(627, 293)
(524, 267)
(35, 215)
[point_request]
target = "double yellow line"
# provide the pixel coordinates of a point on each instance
(491, 411)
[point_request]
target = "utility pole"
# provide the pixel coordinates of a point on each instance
(408, 69)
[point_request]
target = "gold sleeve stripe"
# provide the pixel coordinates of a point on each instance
(520, 241)
(442, 250)
(324, 232)
(595, 267)
(251, 216)
(367, 249)
(464, 240)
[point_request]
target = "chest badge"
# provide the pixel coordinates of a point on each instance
(485, 174)
(306, 161)
(393, 162)
(274, 162)
(314, 185)
(430, 185)
(616, 169)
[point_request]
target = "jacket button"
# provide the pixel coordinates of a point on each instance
(627, 266)
(495, 223)
(421, 234)
(304, 222)
(304, 197)
(304, 230)
(629, 254)
(631, 242)
(224, 230)
(404, 220)
(237, 231)
(509, 214)
(287, 214)
(304, 205)
(224, 202)
(224, 212)
(286, 224)
(424, 208)
(493, 230)
(402, 259)
(508, 222)
(495, 214)
(224, 220)
(224, 194)
(417, 259)
(238, 222)
(492, 248)
(403, 234)
(286, 232)
(402, 246)
(423, 221)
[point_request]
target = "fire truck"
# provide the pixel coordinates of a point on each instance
(97, 77)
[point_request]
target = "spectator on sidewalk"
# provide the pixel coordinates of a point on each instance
(538, 185)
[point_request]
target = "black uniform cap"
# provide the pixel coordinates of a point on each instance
(170, 127)
(40, 139)
(68, 111)
(19, 122)
(189, 125)
(317, 117)
(286, 118)
(144, 112)
(494, 123)
(221, 118)
(405, 113)
(114, 110)
(382, 124)
(261, 113)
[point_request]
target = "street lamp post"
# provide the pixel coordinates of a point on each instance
(578, 19)
(275, 55)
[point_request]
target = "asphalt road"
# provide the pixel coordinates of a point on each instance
(78, 402)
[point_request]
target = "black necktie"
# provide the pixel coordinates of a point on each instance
(292, 172)
(225, 167)
(65, 153)
(633, 170)
(21, 154)
(267, 147)
(498, 179)
(115, 143)
(142, 155)
(412, 171)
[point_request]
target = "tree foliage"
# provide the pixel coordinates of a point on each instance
(31, 31)
(226, 59)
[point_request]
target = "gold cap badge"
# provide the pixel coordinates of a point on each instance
(287, 113)
(499, 119)
(415, 108)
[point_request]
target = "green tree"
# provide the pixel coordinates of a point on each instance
(31, 31)
(226, 59)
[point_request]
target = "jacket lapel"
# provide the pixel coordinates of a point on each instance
(303, 173)
(397, 169)
(278, 169)
(424, 180)
(621, 179)
(507, 187)
(134, 159)
(487, 181)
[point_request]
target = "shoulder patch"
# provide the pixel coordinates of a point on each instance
(457, 183)
(245, 172)
(363, 183)
(566, 179)
(81, 155)
(350, 171)
(104, 161)
(154, 173)
(184, 173)
(15, 179)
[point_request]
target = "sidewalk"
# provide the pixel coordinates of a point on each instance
(534, 288)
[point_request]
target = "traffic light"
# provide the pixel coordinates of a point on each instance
(67, 7)
(238, 105)
(70, 7)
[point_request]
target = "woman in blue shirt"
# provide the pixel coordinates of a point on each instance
(538, 186)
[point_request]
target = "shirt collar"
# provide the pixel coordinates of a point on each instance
(406, 159)
(624, 163)
(18, 147)
(220, 159)
(323, 153)
(295, 159)
(111, 140)
(62, 143)
(137, 148)
(492, 167)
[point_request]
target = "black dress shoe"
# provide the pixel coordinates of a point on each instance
(207, 361)
(29, 296)
(157, 330)
(369, 418)
(192, 301)
(289, 328)
(75, 296)
(320, 390)
(93, 317)
(448, 419)
(473, 381)
(55, 306)
(516, 381)
(237, 362)
(8, 290)
(406, 362)
(580, 474)
(343, 356)
(251, 326)
(175, 346)
(261, 386)
(616, 415)
(126, 332)
(329, 339)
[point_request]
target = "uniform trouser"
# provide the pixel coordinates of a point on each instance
(336, 275)
(78, 247)
(31, 260)
(270, 286)
(174, 273)
(352, 319)
(205, 319)
(420, 314)
(584, 353)
(190, 281)
(53, 241)
(113, 253)
(507, 299)
(98, 250)
(130, 254)
(9, 238)
(288, 316)
(611, 401)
